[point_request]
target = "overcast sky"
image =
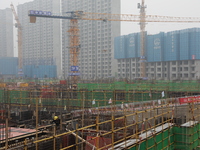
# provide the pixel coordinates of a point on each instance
(177, 8)
(182, 8)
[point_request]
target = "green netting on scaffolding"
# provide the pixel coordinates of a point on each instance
(185, 86)
(163, 140)
(80, 98)
(3, 98)
(186, 138)
(102, 97)
(18, 97)
(180, 138)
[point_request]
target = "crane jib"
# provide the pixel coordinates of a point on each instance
(48, 14)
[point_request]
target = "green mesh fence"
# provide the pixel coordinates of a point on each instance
(186, 138)
(81, 98)
(176, 138)
(162, 141)
(19, 97)
(184, 86)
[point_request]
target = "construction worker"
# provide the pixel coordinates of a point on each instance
(56, 120)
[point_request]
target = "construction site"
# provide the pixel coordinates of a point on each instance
(117, 115)
(99, 114)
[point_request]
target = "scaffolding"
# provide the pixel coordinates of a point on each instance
(115, 116)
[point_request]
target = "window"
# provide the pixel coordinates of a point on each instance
(158, 69)
(185, 68)
(193, 75)
(192, 62)
(173, 69)
(193, 68)
(185, 62)
(185, 75)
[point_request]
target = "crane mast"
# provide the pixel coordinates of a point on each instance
(74, 49)
(19, 36)
(142, 40)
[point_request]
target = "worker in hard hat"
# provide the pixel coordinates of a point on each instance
(56, 120)
(55, 117)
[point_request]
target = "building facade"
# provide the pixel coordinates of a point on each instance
(168, 70)
(173, 55)
(96, 58)
(41, 41)
(6, 33)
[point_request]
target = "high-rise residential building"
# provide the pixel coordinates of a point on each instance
(6, 33)
(41, 41)
(96, 58)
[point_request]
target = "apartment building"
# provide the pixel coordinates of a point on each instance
(41, 41)
(96, 58)
(6, 33)
(168, 70)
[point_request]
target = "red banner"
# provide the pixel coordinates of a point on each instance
(191, 99)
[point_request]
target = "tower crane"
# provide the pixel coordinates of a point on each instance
(74, 16)
(19, 36)
(142, 39)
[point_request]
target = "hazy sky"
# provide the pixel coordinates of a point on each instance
(154, 7)
(179, 8)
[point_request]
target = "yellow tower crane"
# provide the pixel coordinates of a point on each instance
(74, 16)
(19, 38)
(142, 39)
